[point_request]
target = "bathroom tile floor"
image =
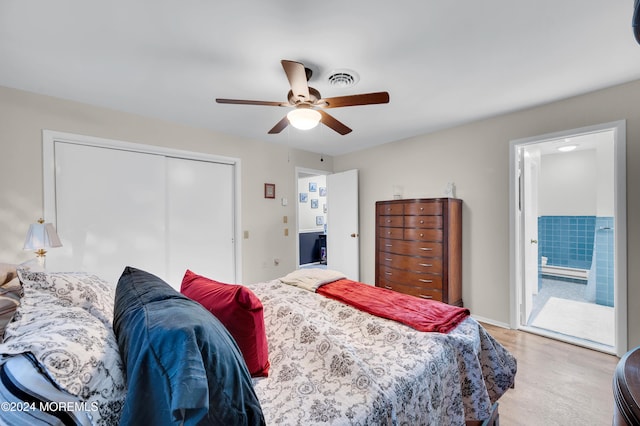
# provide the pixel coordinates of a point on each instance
(558, 289)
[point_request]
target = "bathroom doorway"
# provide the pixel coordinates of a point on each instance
(568, 208)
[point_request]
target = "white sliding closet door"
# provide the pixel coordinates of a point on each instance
(117, 204)
(200, 217)
(110, 210)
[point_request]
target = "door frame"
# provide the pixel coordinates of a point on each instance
(517, 239)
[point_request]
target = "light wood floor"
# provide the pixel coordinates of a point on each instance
(557, 383)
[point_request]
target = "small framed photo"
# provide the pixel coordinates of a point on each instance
(269, 190)
(323, 191)
(313, 187)
(303, 197)
(314, 203)
(319, 220)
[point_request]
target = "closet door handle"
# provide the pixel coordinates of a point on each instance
(426, 248)
(422, 280)
(426, 265)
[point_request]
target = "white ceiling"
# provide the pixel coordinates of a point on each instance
(443, 62)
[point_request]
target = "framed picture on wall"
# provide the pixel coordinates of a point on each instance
(319, 220)
(269, 190)
(313, 187)
(322, 191)
(303, 197)
(314, 203)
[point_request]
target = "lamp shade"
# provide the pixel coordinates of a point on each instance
(40, 237)
(304, 118)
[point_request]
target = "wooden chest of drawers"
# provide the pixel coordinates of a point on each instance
(419, 247)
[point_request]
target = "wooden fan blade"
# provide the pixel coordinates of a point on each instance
(354, 100)
(336, 125)
(297, 77)
(247, 102)
(280, 126)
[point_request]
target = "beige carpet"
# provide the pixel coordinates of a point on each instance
(583, 320)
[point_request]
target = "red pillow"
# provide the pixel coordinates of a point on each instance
(239, 310)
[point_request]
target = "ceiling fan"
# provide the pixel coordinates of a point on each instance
(308, 105)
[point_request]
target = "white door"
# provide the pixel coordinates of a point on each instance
(529, 175)
(200, 218)
(343, 243)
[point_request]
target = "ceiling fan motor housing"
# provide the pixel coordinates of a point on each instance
(314, 96)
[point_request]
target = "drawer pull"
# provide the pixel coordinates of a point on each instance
(388, 245)
(388, 259)
(421, 208)
(421, 235)
(388, 287)
(426, 265)
(389, 232)
(389, 273)
(424, 248)
(422, 280)
(421, 222)
(388, 220)
(425, 296)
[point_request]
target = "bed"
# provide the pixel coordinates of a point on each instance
(273, 353)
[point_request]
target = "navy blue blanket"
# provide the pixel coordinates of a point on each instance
(182, 365)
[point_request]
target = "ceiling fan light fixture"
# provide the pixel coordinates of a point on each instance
(304, 118)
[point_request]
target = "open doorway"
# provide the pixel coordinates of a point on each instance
(311, 218)
(327, 219)
(569, 244)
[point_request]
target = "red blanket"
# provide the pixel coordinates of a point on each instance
(421, 314)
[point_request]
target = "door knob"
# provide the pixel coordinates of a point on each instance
(534, 241)
(354, 235)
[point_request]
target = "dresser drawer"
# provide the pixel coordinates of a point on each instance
(390, 209)
(411, 263)
(424, 293)
(392, 233)
(423, 221)
(423, 208)
(414, 279)
(414, 248)
(423, 234)
(392, 221)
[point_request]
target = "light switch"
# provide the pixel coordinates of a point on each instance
(286, 232)
(285, 219)
(246, 235)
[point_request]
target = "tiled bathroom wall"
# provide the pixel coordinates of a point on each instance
(567, 240)
(584, 242)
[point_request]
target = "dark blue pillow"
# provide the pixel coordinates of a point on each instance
(182, 365)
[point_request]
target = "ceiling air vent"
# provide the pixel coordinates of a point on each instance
(343, 78)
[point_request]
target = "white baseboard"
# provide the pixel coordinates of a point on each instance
(490, 321)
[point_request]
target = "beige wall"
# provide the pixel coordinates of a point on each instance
(23, 116)
(476, 157)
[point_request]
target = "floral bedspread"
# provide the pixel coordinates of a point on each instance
(334, 364)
